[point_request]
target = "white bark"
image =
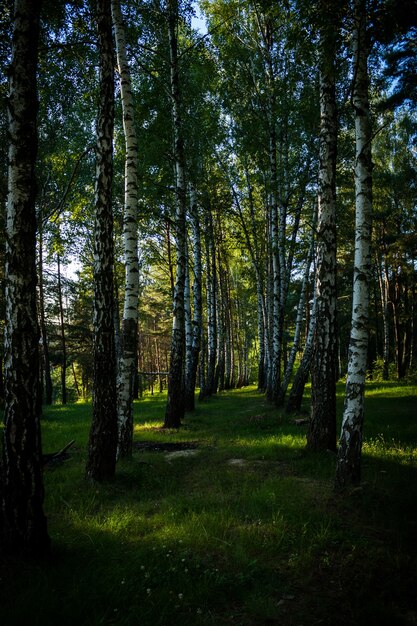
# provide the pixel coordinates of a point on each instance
(349, 455)
(211, 290)
(188, 320)
(299, 318)
(130, 240)
(191, 375)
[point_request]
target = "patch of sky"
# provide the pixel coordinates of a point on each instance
(198, 21)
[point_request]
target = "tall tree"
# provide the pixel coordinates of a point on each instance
(62, 333)
(348, 470)
(175, 404)
(127, 365)
(102, 445)
(23, 524)
(322, 430)
(196, 322)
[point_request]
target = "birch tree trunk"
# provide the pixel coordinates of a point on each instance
(348, 470)
(188, 331)
(175, 403)
(102, 445)
(211, 277)
(297, 389)
(322, 430)
(23, 527)
(298, 321)
(197, 323)
(127, 363)
(383, 281)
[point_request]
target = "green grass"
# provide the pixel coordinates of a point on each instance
(247, 532)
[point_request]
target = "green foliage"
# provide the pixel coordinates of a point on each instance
(247, 531)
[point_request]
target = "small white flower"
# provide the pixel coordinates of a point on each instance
(148, 591)
(180, 595)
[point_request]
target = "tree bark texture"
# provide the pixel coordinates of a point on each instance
(175, 404)
(212, 295)
(197, 314)
(23, 524)
(299, 318)
(297, 388)
(322, 430)
(348, 470)
(127, 362)
(102, 445)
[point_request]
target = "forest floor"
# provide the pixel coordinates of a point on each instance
(238, 525)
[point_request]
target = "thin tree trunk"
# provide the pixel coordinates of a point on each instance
(211, 277)
(175, 403)
(62, 333)
(102, 447)
(298, 321)
(297, 389)
(126, 375)
(77, 387)
(384, 295)
(44, 334)
(322, 431)
(188, 333)
(348, 470)
(23, 527)
(274, 378)
(197, 307)
(170, 263)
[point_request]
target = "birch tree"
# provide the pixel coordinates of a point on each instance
(322, 430)
(299, 318)
(196, 323)
(23, 526)
(348, 470)
(175, 403)
(127, 362)
(102, 445)
(212, 296)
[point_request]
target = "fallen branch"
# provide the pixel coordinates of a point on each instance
(61, 455)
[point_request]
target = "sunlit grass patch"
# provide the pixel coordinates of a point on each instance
(391, 450)
(390, 389)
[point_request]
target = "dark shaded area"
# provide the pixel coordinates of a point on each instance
(155, 446)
